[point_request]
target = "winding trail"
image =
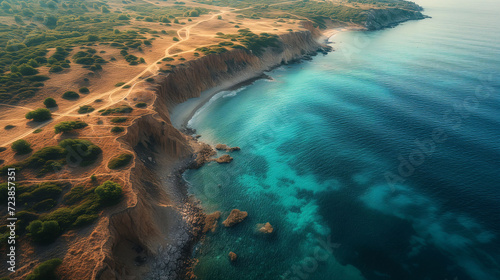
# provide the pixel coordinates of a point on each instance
(151, 69)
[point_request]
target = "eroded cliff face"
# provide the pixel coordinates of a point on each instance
(383, 18)
(235, 66)
(156, 227)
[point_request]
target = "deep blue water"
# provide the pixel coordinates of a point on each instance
(380, 160)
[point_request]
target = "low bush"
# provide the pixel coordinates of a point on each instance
(45, 271)
(69, 126)
(44, 232)
(84, 90)
(39, 115)
(120, 161)
(82, 152)
(141, 105)
(70, 95)
(117, 129)
(119, 120)
(109, 192)
(44, 205)
(123, 109)
(85, 109)
(85, 219)
(50, 102)
(21, 147)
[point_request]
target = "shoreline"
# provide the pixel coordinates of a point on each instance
(182, 113)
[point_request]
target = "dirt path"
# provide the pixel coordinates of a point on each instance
(151, 69)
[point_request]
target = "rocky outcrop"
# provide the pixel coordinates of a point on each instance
(224, 159)
(211, 222)
(235, 217)
(223, 147)
(383, 18)
(232, 256)
(266, 228)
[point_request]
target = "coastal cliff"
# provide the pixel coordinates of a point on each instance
(161, 224)
(384, 18)
(233, 67)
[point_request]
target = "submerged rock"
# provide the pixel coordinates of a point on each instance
(235, 217)
(224, 159)
(223, 147)
(266, 228)
(232, 256)
(211, 222)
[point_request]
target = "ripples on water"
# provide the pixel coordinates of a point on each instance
(318, 142)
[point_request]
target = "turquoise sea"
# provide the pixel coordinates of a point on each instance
(378, 161)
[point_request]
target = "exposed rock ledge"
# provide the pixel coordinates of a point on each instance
(235, 217)
(223, 147)
(265, 228)
(383, 18)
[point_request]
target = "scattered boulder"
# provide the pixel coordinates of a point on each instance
(223, 147)
(232, 256)
(235, 217)
(266, 228)
(211, 222)
(224, 159)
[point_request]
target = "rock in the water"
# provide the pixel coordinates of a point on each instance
(224, 159)
(233, 256)
(222, 147)
(265, 228)
(211, 222)
(235, 217)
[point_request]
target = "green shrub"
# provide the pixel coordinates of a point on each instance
(123, 109)
(117, 129)
(84, 90)
(39, 115)
(120, 161)
(27, 70)
(150, 80)
(87, 152)
(9, 127)
(56, 69)
(45, 271)
(70, 95)
(38, 130)
(50, 102)
(21, 147)
(119, 120)
(44, 205)
(141, 105)
(109, 192)
(119, 84)
(44, 232)
(24, 218)
(85, 219)
(85, 109)
(2, 149)
(176, 39)
(69, 126)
